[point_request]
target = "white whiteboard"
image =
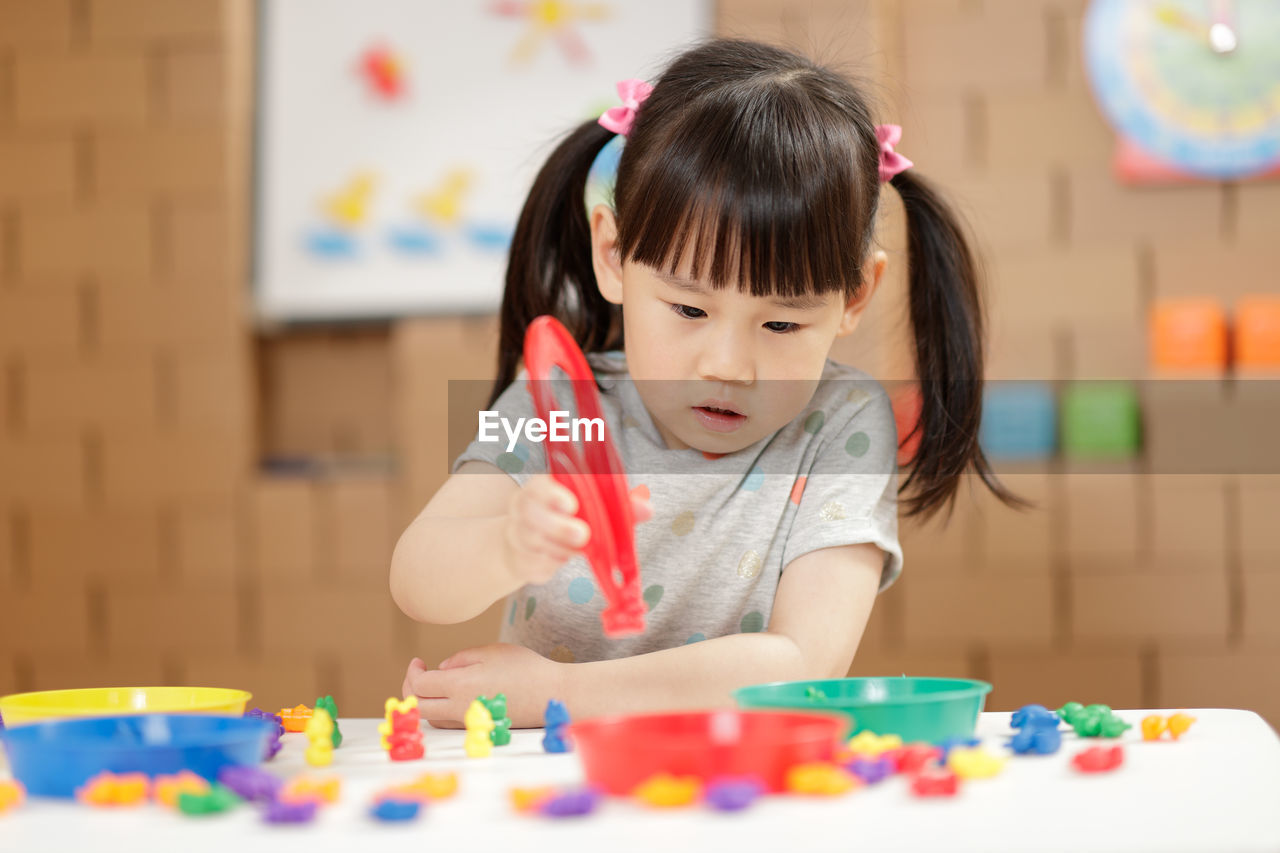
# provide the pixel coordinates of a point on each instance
(397, 139)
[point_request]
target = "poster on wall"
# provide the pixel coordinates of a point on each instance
(397, 139)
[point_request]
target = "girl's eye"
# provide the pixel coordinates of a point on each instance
(688, 311)
(781, 327)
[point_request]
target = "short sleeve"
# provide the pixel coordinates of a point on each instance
(494, 441)
(849, 494)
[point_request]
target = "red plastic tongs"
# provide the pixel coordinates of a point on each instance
(593, 471)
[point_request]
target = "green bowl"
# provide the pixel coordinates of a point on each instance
(915, 709)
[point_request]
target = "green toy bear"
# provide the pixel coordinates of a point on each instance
(1093, 720)
(497, 707)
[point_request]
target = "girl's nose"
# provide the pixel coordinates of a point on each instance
(727, 358)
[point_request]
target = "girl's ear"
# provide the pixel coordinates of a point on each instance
(872, 272)
(605, 258)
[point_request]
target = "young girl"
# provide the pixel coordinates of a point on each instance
(705, 243)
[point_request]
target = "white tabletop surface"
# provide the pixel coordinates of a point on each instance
(1217, 789)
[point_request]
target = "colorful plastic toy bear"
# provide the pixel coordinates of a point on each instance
(1179, 723)
(947, 745)
(818, 778)
(479, 721)
(319, 732)
(1098, 759)
(1093, 720)
(323, 790)
(219, 799)
(868, 744)
(428, 786)
(914, 756)
(250, 783)
(871, 770)
(1041, 741)
(529, 799)
(731, 795)
(555, 719)
(572, 803)
(1034, 715)
(391, 810)
(974, 763)
(935, 781)
(1176, 725)
(667, 791)
(12, 795)
(327, 703)
(166, 789)
(497, 708)
(294, 719)
(401, 735)
(1037, 731)
(115, 789)
(273, 743)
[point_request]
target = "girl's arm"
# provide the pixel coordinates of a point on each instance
(483, 536)
(451, 562)
(819, 613)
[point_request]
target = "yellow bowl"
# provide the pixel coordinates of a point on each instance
(21, 708)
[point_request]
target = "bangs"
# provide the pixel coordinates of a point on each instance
(750, 189)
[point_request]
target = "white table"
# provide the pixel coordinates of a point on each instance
(1218, 789)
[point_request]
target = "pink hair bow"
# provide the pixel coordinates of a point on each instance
(891, 162)
(619, 119)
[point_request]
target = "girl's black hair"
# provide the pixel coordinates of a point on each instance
(764, 166)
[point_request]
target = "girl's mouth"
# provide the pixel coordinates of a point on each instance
(719, 419)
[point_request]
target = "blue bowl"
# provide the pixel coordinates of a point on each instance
(52, 759)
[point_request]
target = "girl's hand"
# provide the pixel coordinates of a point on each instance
(542, 532)
(526, 677)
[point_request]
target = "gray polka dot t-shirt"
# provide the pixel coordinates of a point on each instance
(724, 527)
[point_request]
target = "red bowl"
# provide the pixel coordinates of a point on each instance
(619, 753)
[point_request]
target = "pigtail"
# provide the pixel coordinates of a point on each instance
(946, 317)
(549, 267)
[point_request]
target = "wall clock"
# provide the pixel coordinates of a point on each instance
(1191, 84)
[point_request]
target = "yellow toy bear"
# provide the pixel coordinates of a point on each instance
(319, 732)
(479, 723)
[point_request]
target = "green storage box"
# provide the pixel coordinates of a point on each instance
(1100, 420)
